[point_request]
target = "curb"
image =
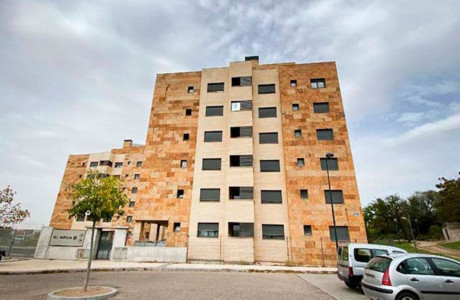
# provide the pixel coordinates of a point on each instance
(109, 294)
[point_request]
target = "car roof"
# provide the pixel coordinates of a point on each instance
(372, 246)
(402, 256)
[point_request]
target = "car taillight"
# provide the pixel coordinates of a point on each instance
(350, 270)
(386, 277)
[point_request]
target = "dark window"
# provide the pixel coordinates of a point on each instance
(240, 192)
(273, 232)
(83, 164)
(188, 112)
(337, 196)
(210, 195)
(269, 166)
(186, 136)
(298, 133)
(215, 87)
(307, 230)
(266, 88)
(304, 194)
(447, 267)
(132, 203)
(213, 136)
(267, 112)
(118, 165)
(331, 163)
(324, 134)
(211, 164)
(137, 176)
(240, 160)
(271, 196)
(300, 162)
(139, 164)
(190, 89)
(129, 219)
(105, 163)
(379, 264)
(213, 111)
(321, 107)
(210, 230)
(241, 229)
(245, 131)
(293, 82)
(180, 193)
(242, 81)
(80, 176)
(318, 83)
(241, 105)
(134, 190)
(415, 266)
(183, 164)
(365, 255)
(176, 227)
(295, 106)
(342, 233)
(268, 138)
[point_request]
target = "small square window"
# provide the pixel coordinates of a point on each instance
(134, 190)
(307, 230)
(83, 164)
(304, 194)
(300, 162)
(80, 176)
(118, 165)
(93, 164)
(298, 133)
(129, 162)
(188, 112)
(132, 203)
(190, 89)
(186, 136)
(137, 176)
(295, 106)
(293, 82)
(139, 164)
(176, 227)
(126, 175)
(129, 219)
(180, 193)
(183, 164)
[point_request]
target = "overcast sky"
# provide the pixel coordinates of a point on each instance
(78, 77)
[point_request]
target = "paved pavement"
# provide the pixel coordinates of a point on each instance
(333, 286)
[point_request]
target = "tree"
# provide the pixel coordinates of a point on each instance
(96, 197)
(10, 213)
(422, 211)
(448, 203)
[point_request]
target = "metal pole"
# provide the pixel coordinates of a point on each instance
(332, 206)
(412, 233)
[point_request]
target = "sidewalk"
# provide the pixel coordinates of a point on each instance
(35, 266)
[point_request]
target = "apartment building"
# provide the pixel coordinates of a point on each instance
(234, 168)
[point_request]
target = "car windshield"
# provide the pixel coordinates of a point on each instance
(365, 255)
(379, 264)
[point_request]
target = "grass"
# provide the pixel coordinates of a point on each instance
(409, 247)
(452, 245)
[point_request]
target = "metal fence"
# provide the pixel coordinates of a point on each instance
(19, 243)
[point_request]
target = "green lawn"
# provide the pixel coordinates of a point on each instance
(452, 245)
(409, 247)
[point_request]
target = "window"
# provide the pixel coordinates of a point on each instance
(241, 229)
(213, 111)
(242, 81)
(137, 176)
(273, 232)
(107, 163)
(80, 176)
(447, 267)
(83, 164)
(188, 112)
(270, 196)
(298, 133)
(324, 134)
(236, 132)
(331, 163)
(379, 264)
(363, 255)
(293, 82)
(321, 107)
(210, 230)
(93, 164)
(267, 112)
(268, 138)
(213, 136)
(415, 266)
(300, 162)
(134, 190)
(186, 136)
(336, 195)
(211, 164)
(342, 233)
(318, 83)
(118, 165)
(269, 166)
(132, 203)
(129, 219)
(176, 227)
(304, 194)
(129, 162)
(307, 230)
(180, 193)
(183, 164)
(241, 105)
(215, 87)
(240, 160)
(190, 89)
(209, 195)
(139, 163)
(295, 106)
(266, 88)
(240, 192)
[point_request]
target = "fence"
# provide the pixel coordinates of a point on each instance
(19, 243)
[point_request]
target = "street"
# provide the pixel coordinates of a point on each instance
(182, 285)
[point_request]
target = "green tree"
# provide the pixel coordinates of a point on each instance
(96, 197)
(448, 202)
(422, 211)
(10, 213)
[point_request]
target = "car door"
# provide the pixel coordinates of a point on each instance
(421, 276)
(343, 264)
(450, 273)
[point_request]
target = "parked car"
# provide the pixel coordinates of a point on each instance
(354, 257)
(412, 277)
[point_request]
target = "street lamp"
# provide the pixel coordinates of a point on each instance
(411, 231)
(330, 155)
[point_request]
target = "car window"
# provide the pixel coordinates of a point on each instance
(362, 255)
(447, 267)
(345, 253)
(398, 252)
(379, 264)
(419, 266)
(376, 252)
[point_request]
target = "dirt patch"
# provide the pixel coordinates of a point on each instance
(78, 292)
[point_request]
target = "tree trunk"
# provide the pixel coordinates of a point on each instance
(85, 287)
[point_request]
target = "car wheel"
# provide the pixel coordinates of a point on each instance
(351, 285)
(407, 296)
(360, 289)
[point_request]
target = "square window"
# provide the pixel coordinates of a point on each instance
(83, 164)
(335, 195)
(137, 176)
(267, 112)
(240, 160)
(268, 138)
(176, 227)
(190, 89)
(318, 83)
(269, 166)
(93, 164)
(183, 164)
(307, 230)
(132, 203)
(209, 230)
(129, 162)
(298, 133)
(139, 164)
(304, 194)
(324, 134)
(188, 112)
(300, 162)
(211, 164)
(295, 106)
(118, 165)
(271, 196)
(80, 176)
(293, 82)
(129, 219)
(214, 111)
(212, 136)
(342, 233)
(272, 232)
(210, 195)
(321, 107)
(180, 193)
(215, 87)
(266, 88)
(134, 190)
(241, 229)
(186, 136)
(330, 163)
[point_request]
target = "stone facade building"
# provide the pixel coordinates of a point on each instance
(233, 167)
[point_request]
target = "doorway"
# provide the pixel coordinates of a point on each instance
(105, 245)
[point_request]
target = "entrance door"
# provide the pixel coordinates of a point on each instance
(105, 245)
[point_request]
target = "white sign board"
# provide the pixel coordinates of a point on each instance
(70, 238)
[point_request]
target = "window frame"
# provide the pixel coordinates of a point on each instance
(211, 159)
(207, 236)
(215, 132)
(212, 87)
(270, 201)
(214, 107)
(266, 135)
(265, 236)
(209, 200)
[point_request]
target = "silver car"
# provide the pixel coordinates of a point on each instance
(412, 277)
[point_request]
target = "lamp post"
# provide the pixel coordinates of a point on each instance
(411, 231)
(328, 156)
